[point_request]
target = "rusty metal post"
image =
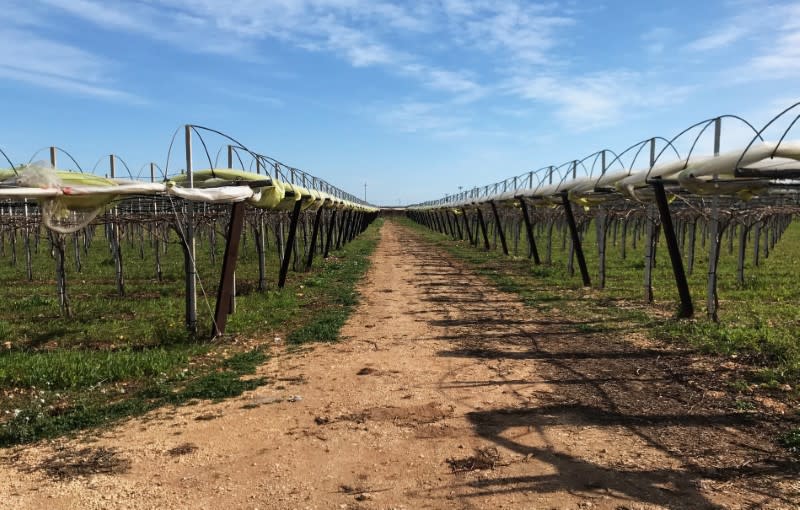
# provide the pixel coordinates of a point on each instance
(314, 233)
(226, 279)
(686, 309)
(576, 239)
(466, 225)
(287, 254)
(532, 251)
(342, 224)
(499, 226)
(329, 237)
(482, 223)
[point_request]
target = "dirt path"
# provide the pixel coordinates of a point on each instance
(446, 393)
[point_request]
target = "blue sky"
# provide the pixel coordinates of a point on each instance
(413, 98)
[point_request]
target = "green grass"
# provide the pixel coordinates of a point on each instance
(69, 370)
(336, 292)
(123, 356)
(791, 441)
(37, 421)
(758, 322)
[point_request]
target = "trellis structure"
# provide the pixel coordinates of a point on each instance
(754, 188)
(290, 201)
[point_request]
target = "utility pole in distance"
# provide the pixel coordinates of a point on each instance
(365, 192)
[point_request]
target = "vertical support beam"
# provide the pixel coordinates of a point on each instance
(53, 158)
(499, 227)
(226, 279)
(601, 227)
(650, 239)
(532, 251)
(482, 223)
(742, 247)
(287, 254)
(329, 237)
(115, 241)
(576, 239)
(232, 295)
(686, 309)
(189, 246)
(314, 233)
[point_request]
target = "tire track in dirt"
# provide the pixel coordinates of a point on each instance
(443, 393)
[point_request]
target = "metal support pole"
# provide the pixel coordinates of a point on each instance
(576, 239)
(314, 233)
(287, 254)
(226, 280)
(712, 300)
(115, 238)
(686, 309)
(189, 246)
(329, 237)
(499, 227)
(482, 223)
(532, 252)
(232, 295)
(650, 238)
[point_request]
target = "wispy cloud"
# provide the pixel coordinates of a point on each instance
(422, 117)
(721, 38)
(599, 99)
(29, 58)
(349, 29)
(523, 30)
(781, 58)
(657, 40)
